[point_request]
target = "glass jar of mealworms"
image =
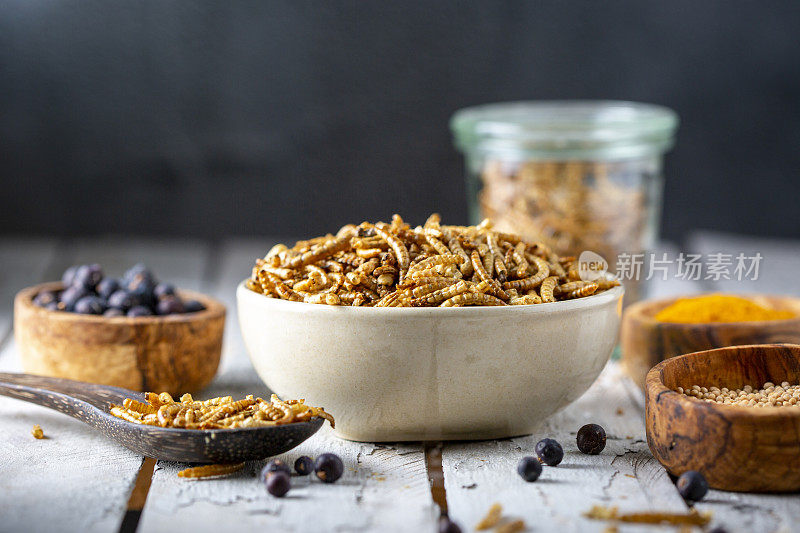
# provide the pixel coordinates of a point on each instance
(578, 175)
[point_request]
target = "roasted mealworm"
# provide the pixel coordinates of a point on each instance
(400, 251)
(135, 405)
(492, 517)
(547, 288)
(326, 250)
(207, 471)
(528, 299)
(472, 298)
(392, 265)
(497, 254)
(586, 290)
(438, 296)
(437, 260)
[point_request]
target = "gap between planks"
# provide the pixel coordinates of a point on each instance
(433, 465)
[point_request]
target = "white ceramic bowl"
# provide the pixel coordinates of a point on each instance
(399, 374)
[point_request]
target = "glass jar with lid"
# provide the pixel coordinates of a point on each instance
(576, 175)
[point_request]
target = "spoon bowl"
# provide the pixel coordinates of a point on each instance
(90, 403)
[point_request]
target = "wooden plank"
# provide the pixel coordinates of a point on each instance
(778, 268)
(770, 513)
(767, 513)
(76, 480)
(384, 488)
(625, 474)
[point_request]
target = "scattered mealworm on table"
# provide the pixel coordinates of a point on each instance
(492, 517)
(511, 527)
(692, 518)
(207, 471)
(37, 432)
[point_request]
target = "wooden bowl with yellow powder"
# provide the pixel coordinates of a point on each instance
(654, 330)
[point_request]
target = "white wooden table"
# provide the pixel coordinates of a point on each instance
(75, 480)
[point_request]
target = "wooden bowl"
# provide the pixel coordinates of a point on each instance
(743, 449)
(175, 353)
(646, 342)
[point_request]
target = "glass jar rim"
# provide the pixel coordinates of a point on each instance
(593, 129)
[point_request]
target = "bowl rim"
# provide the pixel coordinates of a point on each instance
(637, 311)
(565, 306)
(213, 308)
(655, 387)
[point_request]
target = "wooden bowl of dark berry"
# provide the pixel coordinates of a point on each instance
(133, 332)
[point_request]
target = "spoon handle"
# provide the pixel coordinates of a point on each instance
(64, 395)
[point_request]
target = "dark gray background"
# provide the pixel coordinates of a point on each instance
(217, 118)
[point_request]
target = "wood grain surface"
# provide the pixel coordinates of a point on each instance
(624, 474)
(736, 448)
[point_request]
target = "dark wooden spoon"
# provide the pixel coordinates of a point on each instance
(90, 403)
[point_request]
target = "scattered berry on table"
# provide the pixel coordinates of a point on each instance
(692, 486)
(448, 526)
(529, 468)
(275, 465)
(591, 439)
(278, 483)
(549, 452)
(328, 467)
(90, 305)
(304, 465)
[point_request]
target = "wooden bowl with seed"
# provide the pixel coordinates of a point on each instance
(646, 341)
(175, 353)
(736, 448)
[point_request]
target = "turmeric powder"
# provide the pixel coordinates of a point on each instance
(718, 308)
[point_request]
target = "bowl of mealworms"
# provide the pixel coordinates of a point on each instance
(432, 332)
(174, 353)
